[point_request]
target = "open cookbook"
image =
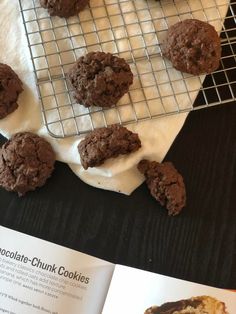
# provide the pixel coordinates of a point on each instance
(41, 277)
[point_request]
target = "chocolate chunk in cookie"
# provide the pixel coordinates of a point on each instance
(193, 46)
(10, 88)
(165, 183)
(194, 305)
(100, 79)
(26, 161)
(105, 143)
(64, 8)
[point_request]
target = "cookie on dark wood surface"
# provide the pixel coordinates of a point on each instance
(26, 161)
(193, 46)
(104, 143)
(100, 79)
(64, 8)
(165, 183)
(10, 88)
(194, 305)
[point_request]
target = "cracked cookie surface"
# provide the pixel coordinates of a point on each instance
(64, 8)
(100, 79)
(165, 183)
(193, 46)
(105, 143)
(26, 161)
(10, 88)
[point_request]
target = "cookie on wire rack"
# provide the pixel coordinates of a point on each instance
(64, 8)
(193, 46)
(100, 79)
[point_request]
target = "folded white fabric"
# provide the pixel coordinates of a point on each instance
(119, 174)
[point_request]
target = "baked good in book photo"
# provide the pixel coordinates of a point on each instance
(165, 183)
(26, 162)
(194, 305)
(64, 8)
(100, 79)
(193, 46)
(10, 88)
(104, 143)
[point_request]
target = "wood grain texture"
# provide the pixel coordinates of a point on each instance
(198, 245)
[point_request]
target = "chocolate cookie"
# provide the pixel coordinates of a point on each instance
(165, 183)
(105, 143)
(26, 161)
(100, 79)
(10, 88)
(194, 305)
(64, 8)
(193, 46)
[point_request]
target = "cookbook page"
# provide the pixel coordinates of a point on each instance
(40, 277)
(133, 291)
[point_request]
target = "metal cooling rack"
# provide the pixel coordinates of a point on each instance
(133, 30)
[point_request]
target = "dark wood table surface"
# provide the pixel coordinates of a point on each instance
(198, 245)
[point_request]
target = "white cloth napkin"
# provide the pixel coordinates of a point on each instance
(119, 174)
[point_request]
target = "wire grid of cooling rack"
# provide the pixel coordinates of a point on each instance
(133, 30)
